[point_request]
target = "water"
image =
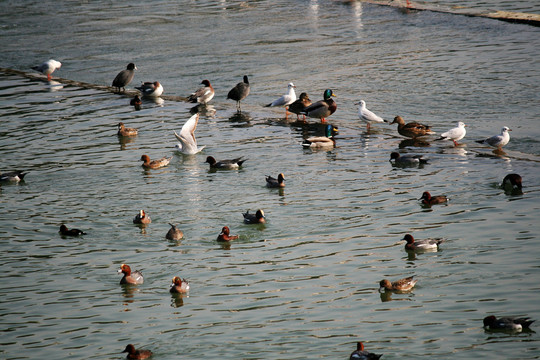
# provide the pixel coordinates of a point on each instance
(305, 284)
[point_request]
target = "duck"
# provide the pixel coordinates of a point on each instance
(142, 218)
(512, 182)
(124, 77)
(224, 235)
(272, 182)
(257, 218)
(497, 141)
(427, 199)
(155, 164)
(225, 164)
(507, 323)
(48, 67)
(300, 105)
(179, 286)
(13, 176)
(124, 131)
(455, 134)
(317, 142)
(405, 284)
(136, 102)
(239, 92)
(203, 95)
(150, 89)
(188, 142)
(421, 245)
(174, 233)
(412, 129)
(286, 99)
(70, 232)
(322, 108)
(368, 116)
(136, 354)
(133, 278)
(361, 354)
(407, 159)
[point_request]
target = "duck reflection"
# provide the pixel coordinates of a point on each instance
(208, 111)
(413, 143)
(124, 140)
(177, 300)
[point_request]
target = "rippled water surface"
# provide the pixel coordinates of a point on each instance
(304, 285)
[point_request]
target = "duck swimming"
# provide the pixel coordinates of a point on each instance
(427, 199)
(224, 235)
(179, 286)
(12, 176)
(407, 159)
(70, 232)
(361, 354)
(257, 218)
(421, 245)
(136, 354)
(154, 164)
(124, 131)
(225, 164)
(272, 182)
(142, 218)
(317, 142)
(507, 323)
(174, 233)
(133, 278)
(405, 284)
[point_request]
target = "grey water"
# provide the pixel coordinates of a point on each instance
(305, 284)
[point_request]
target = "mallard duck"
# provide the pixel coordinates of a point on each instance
(239, 92)
(399, 285)
(136, 354)
(286, 99)
(124, 131)
(179, 285)
(272, 182)
(70, 232)
(188, 142)
(12, 176)
(455, 134)
(412, 129)
(421, 245)
(135, 277)
(322, 108)
(316, 142)
(300, 105)
(507, 323)
(257, 218)
(150, 89)
(174, 233)
(203, 95)
(48, 67)
(124, 77)
(368, 116)
(361, 354)
(142, 218)
(225, 164)
(155, 164)
(427, 199)
(224, 235)
(497, 141)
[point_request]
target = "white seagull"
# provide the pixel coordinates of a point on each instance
(497, 141)
(368, 116)
(48, 67)
(455, 134)
(286, 99)
(188, 143)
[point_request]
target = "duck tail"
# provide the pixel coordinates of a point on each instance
(240, 162)
(192, 98)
